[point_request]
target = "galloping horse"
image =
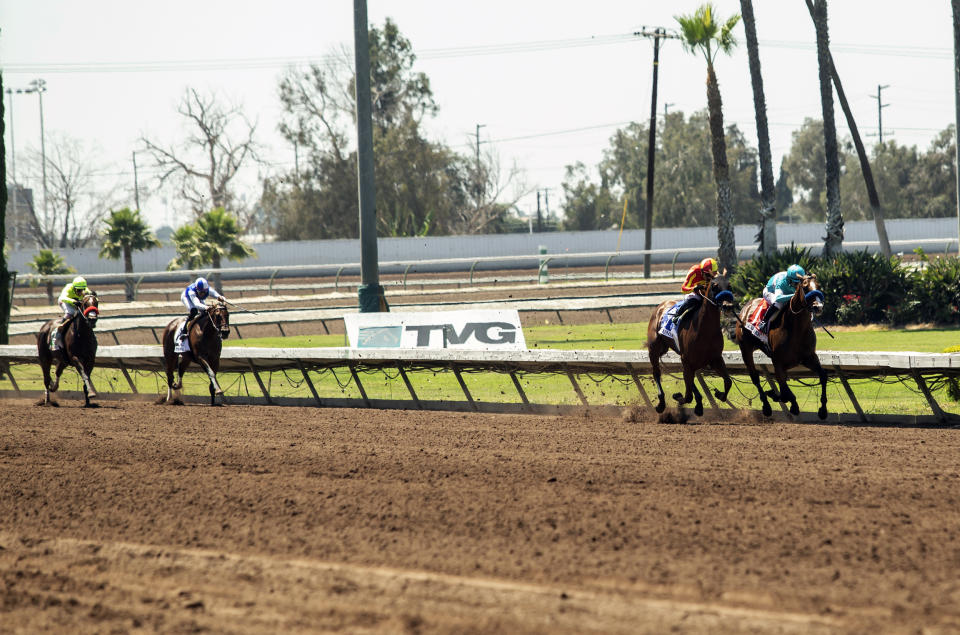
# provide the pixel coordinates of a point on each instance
(790, 343)
(206, 341)
(78, 348)
(701, 343)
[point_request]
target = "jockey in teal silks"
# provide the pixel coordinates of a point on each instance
(780, 288)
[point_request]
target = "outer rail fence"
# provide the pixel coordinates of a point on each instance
(930, 372)
(446, 264)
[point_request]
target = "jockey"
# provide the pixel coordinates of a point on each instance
(780, 288)
(698, 277)
(69, 301)
(193, 298)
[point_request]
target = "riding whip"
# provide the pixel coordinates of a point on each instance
(240, 307)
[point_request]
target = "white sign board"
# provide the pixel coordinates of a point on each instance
(465, 330)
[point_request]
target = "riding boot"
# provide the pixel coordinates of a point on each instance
(685, 306)
(186, 330)
(772, 313)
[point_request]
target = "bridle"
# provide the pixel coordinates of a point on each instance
(719, 297)
(808, 298)
(218, 324)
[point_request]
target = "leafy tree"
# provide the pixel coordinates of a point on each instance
(213, 237)
(768, 212)
(423, 187)
(125, 233)
(48, 263)
(933, 181)
(834, 239)
(587, 205)
(701, 33)
(4, 271)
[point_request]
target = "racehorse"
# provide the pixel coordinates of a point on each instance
(206, 341)
(701, 343)
(78, 347)
(791, 342)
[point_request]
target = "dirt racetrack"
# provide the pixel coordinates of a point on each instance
(139, 518)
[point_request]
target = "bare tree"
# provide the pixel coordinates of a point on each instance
(494, 192)
(77, 197)
(219, 144)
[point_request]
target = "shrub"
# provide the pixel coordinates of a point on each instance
(933, 294)
(869, 280)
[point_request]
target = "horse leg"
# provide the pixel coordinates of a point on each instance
(813, 363)
(45, 367)
(655, 368)
(720, 367)
(88, 390)
(747, 353)
(785, 393)
(689, 375)
(178, 385)
(214, 386)
(61, 364)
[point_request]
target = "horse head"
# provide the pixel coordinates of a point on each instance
(90, 308)
(220, 318)
(719, 293)
(808, 296)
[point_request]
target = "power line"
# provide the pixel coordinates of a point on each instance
(226, 64)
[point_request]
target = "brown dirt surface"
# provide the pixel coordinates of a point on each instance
(141, 518)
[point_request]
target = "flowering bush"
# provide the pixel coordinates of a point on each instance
(851, 311)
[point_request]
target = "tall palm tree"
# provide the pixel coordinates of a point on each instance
(701, 33)
(955, 4)
(215, 236)
(768, 209)
(868, 181)
(833, 243)
(126, 232)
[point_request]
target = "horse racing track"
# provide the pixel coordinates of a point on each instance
(255, 519)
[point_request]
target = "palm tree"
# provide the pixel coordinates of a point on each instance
(768, 209)
(868, 181)
(955, 5)
(701, 33)
(212, 238)
(126, 232)
(47, 263)
(833, 243)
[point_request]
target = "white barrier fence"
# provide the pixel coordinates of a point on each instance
(928, 371)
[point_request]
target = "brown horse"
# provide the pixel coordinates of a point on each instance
(78, 348)
(791, 342)
(701, 343)
(206, 341)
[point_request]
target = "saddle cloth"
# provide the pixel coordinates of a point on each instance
(668, 329)
(754, 318)
(181, 345)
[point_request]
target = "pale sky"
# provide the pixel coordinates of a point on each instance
(549, 81)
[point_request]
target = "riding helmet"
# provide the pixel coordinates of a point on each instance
(79, 283)
(708, 265)
(794, 273)
(201, 284)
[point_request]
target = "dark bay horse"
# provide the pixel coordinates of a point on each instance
(78, 348)
(206, 341)
(701, 343)
(791, 342)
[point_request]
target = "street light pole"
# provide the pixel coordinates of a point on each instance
(39, 87)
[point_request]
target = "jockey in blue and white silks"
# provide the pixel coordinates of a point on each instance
(780, 288)
(193, 298)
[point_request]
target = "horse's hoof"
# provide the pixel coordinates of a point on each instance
(722, 396)
(767, 410)
(218, 392)
(660, 406)
(795, 409)
(678, 397)
(698, 409)
(92, 395)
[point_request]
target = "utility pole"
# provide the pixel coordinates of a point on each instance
(880, 107)
(539, 215)
(546, 201)
(136, 183)
(479, 179)
(657, 34)
(39, 87)
(13, 174)
(666, 106)
(370, 293)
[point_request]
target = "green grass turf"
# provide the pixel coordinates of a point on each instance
(874, 396)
